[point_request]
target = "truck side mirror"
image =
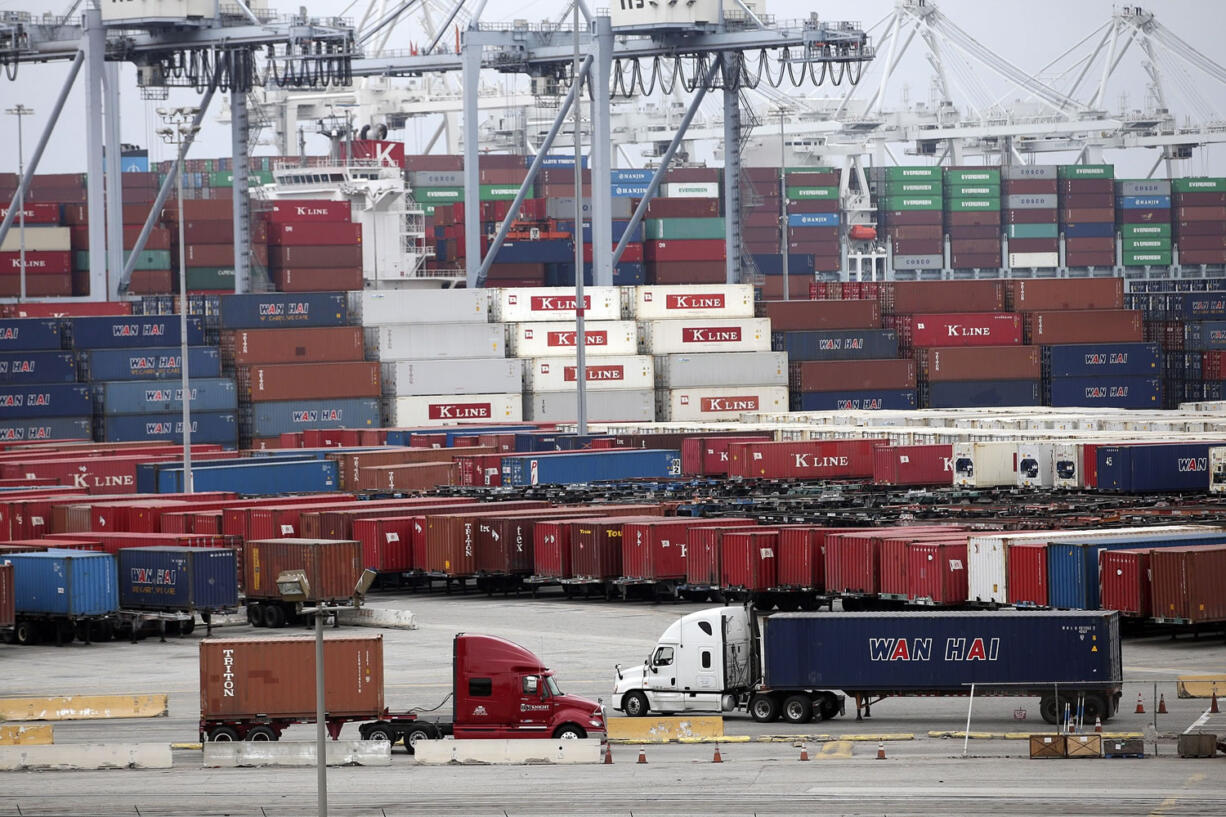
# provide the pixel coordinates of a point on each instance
(531, 684)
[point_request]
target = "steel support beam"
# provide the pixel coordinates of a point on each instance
(732, 169)
(113, 172)
(600, 156)
(470, 54)
(95, 68)
(239, 132)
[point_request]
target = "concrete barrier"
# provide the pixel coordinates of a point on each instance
(296, 753)
(1201, 686)
(83, 707)
(80, 756)
(382, 617)
(27, 735)
(524, 751)
(663, 730)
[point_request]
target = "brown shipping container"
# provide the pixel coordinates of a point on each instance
(1028, 187)
(1030, 216)
(423, 476)
(1186, 228)
(351, 463)
(906, 218)
(1034, 245)
(1144, 216)
(973, 260)
(1084, 326)
(337, 523)
(1077, 215)
(271, 677)
(1202, 242)
(912, 233)
(1091, 258)
(1199, 214)
(305, 381)
(686, 272)
(335, 256)
(451, 538)
(947, 364)
(219, 231)
(1103, 244)
(976, 233)
(8, 612)
(908, 297)
(1076, 201)
(1064, 293)
(244, 347)
(1076, 187)
(152, 282)
(332, 566)
(983, 218)
(933, 246)
(681, 208)
(786, 316)
(851, 375)
(1189, 583)
(772, 287)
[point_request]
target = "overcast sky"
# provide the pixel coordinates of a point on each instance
(1028, 34)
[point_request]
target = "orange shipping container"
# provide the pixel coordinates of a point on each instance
(332, 567)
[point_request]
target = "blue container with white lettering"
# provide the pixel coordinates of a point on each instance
(47, 428)
(282, 416)
(837, 344)
(813, 219)
(177, 578)
(254, 476)
(1143, 202)
(621, 175)
(1204, 336)
(590, 466)
(147, 363)
(1102, 359)
(64, 583)
(277, 310)
(29, 334)
(131, 331)
(37, 367)
(44, 400)
(981, 394)
(219, 427)
(871, 400)
(1105, 392)
(1154, 467)
(152, 396)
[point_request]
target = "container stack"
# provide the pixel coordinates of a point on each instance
(48, 254)
(813, 221)
(690, 246)
(441, 360)
(39, 396)
(152, 273)
(712, 356)
(290, 375)
(1199, 225)
(1143, 216)
(208, 236)
(909, 208)
(313, 245)
(762, 215)
(1088, 214)
(1030, 215)
(972, 217)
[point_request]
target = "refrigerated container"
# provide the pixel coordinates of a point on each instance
(417, 341)
(380, 307)
(611, 405)
(1036, 465)
(648, 303)
(680, 371)
(985, 465)
(426, 410)
(413, 378)
(660, 337)
(558, 339)
(724, 403)
(534, 304)
(602, 374)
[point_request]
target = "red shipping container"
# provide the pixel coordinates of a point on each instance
(386, 543)
(35, 213)
(948, 364)
(893, 579)
(479, 469)
(910, 297)
(451, 538)
(288, 211)
(332, 567)
(749, 560)
(853, 563)
(913, 465)
(37, 262)
(504, 542)
(112, 541)
(551, 557)
(1084, 326)
(801, 315)
(708, 456)
(337, 522)
(596, 547)
(656, 550)
(337, 256)
(703, 559)
(966, 329)
(423, 476)
(1189, 584)
(851, 375)
(299, 235)
(811, 459)
(1026, 573)
(306, 381)
(801, 559)
(936, 572)
(1124, 582)
(680, 208)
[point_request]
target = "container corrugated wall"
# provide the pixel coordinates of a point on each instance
(175, 578)
(332, 567)
(62, 583)
(8, 612)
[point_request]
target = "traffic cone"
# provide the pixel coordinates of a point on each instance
(804, 751)
(1098, 724)
(642, 755)
(716, 758)
(608, 754)
(1213, 710)
(880, 750)
(1162, 704)
(1140, 705)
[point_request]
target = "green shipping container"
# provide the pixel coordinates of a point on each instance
(438, 195)
(971, 205)
(819, 169)
(499, 192)
(1202, 184)
(917, 173)
(973, 191)
(1142, 245)
(810, 193)
(912, 188)
(892, 203)
(988, 175)
(1145, 230)
(660, 229)
(225, 178)
(147, 260)
(1033, 231)
(1086, 171)
(1141, 259)
(209, 278)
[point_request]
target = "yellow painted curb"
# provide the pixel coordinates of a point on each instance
(663, 730)
(196, 746)
(1201, 686)
(725, 739)
(835, 750)
(974, 735)
(881, 737)
(1104, 735)
(30, 735)
(83, 707)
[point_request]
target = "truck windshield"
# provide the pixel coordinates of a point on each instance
(552, 686)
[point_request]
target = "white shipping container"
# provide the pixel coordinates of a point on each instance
(433, 341)
(173, 11)
(721, 403)
(387, 306)
(38, 239)
(405, 378)
(1035, 465)
(722, 369)
(557, 339)
(554, 304)
(622, 405)
(1067, 465)
(984, 465)
(690, 190)
(450, 409)
(1034, 259)
(1217, 470)
(689, 301)
(603, 373)
(705, 335)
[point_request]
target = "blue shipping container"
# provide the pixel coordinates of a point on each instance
(629, 273)
(1102, 359)
(147, 473)
(635, 190)
(590, 466)
(1108, 392)
(277, 417)
(258, 477)
(1204, 336)
(813, 219)
(619, 229)
(64, 583)
(1195, 306)
(44, 400)
(273, 310)
(837, 344)
(400, 436)
(1072, 567)
(943, 651)
(37, 367)
(1143, 202)
(772, 264)
(49, 428)
(1150, 467)
(530, 441)
(149, 363)
(28, 334)
(132, 331)
(632, 174)
(982, 393)
(178, 578)
(151, 396)
(884, 400)
(551, 251)
(219, 427)
(1090, 229)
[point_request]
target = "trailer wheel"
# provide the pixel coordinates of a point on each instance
(223, 734)
(825, 706)
(261, 733)
(274, 616)
(255, 615)
(1096, 707)
(797, 708)
(416, 734)
(26, 633)
(186, 627)
(635, 705)
(809, 602)
(763, 708)
(380, 732)
(1051, 708)
(569, 731)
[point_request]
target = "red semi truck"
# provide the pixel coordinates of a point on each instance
(255, 688)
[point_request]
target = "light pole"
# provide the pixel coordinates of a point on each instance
(784, 243)
(294, 587)
(20, 111)
(180, 129)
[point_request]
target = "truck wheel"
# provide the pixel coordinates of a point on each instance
(381, 732)
(1051, 709)
(415, 735)
(763, 708)
(826, 706)
(274, 616)
(26, 633)
(797, 708)
(635, 705)
(255, 615)
(223, 734)
(186, 627)
(1096, 707)
(261, 733)
(569, 732)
